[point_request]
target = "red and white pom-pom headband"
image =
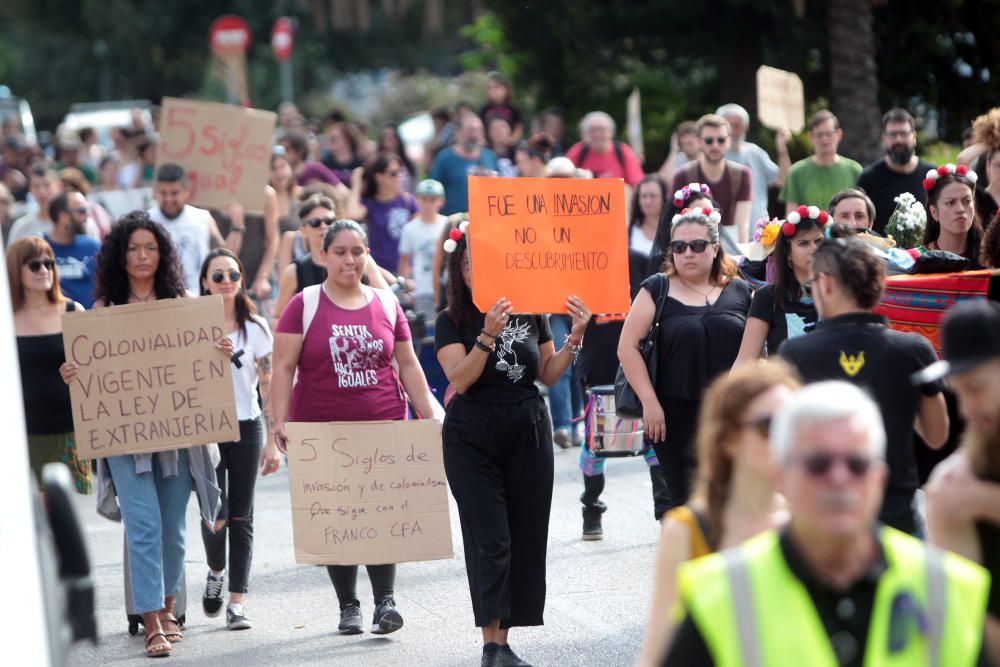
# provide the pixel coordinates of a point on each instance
(455, 235)
(814, 213)
(697, 214)
(930, 182)
(684, 195)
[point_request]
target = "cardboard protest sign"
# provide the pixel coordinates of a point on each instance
(225, 149)
(538, 240)
(368, 492)
(150, 377)
(780, 99)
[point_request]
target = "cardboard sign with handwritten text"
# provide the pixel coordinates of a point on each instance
(225, 149)
(538, 240)
(368, 492)
(150, 377)
(780, 99)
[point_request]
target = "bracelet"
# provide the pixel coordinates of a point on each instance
(487, 333)
(484, 347)
(238, 229)
(574, 348)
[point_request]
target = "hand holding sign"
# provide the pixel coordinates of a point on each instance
(780, 99)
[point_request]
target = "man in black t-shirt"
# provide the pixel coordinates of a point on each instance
(852, 343)
(899, 171)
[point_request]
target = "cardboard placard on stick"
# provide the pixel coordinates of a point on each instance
(225, 149)
(780, 99)
(368, 492)
(150, 377)
(538, 240)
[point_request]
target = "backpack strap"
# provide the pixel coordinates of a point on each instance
(584, 151)
(620, 154)
(310, 304)
(735, 180)
(387, 299)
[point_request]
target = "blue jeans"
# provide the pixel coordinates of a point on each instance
(153, 512)
(566, 395)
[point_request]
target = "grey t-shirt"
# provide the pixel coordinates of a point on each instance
(764, 172)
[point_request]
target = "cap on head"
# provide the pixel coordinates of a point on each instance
(970, 336)
(429, 188)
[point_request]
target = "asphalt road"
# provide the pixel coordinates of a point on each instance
(598, 592)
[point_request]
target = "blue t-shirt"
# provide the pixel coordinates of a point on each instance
(76, 263)
(452, 171)
(386, 220)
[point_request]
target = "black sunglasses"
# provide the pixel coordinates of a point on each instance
(698, 246)
(219, 276)
(316, 222)
(711, 140)
(820, 463)
(761, 426)
(35, 265)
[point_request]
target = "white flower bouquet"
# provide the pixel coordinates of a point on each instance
(906, 225)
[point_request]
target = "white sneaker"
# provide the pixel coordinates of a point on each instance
(236, 618)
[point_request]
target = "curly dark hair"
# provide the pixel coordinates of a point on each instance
(858, 271)
(461, 310)
(111, 282)
(786, 286)
(974, 237)
(990, 251)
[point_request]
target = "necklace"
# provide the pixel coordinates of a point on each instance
(699, 292)
(141, 299)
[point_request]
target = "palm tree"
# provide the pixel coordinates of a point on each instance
(854, 77)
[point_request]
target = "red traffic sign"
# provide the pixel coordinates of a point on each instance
(282, 39)
(229, 34)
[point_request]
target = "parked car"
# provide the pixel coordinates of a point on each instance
(17, 110)
(106, 116)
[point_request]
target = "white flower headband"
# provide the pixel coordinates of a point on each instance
(703, 213)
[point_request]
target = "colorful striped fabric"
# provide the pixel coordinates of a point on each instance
(917, 303)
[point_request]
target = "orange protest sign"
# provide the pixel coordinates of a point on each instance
(538, 240)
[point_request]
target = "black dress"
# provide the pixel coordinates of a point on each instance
(497, 442)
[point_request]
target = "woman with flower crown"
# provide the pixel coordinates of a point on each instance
(783, 308)
(952, 223)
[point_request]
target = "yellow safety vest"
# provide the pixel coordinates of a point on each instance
(753, 612)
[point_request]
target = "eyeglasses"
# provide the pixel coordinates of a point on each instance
(899, 134)
(680, 247)
(79, 211)
(819, 464)
(219, 276)
(35, 265)
(711, 140)
(316, 222)
(761, 426)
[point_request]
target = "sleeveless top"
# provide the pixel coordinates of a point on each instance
(47, 408)
(696, 525)
(307, 272)
(252, 248)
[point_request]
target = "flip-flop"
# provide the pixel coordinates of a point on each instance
(172, 637)
(151, 652)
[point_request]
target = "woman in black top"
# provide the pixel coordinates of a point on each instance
(316, 214)
(38, 306)
(784, 309)
(498, 448)
(700, 328)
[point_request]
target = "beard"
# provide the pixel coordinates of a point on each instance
(983, 450)
(900, 154)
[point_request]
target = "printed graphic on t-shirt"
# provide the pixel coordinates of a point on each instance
(852, 363)
(514, 332)
(71, 268)
(355, 353)
(398, 217)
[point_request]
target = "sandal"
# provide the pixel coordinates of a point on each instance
(157, 649)
(172, 635)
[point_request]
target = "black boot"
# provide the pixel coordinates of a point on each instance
(593, 508)
(661, 495)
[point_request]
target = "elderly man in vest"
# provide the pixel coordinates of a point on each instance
(834, 587)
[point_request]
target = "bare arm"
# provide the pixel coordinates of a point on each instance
(637, 324)
(954, 499)
(269, 459)
(414, 381)
(376, 275)
(287, 349)
(932, 420)
(286, 250)
(262, 281)
(784, 162)
(288, 284)
(354, 209)
(673, 549)
(741, 218)
(970, 154)
(463, 368)
(404, 267)
(752, 346)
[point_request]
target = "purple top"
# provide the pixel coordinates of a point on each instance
(385, 225)
(314, 171)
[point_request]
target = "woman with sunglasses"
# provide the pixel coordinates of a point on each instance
(692, 195)
(38, 305)
(316, 214)
(342, 364)
(784, 308)
(735, 497)
(378, 198)
(699, 331)
(138, 263)
(222, 273)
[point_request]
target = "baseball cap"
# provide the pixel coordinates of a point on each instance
(429, 188)
(970, 336)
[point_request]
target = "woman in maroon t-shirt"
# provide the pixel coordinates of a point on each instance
(344, 357)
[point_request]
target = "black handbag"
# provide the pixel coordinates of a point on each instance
(627, 404)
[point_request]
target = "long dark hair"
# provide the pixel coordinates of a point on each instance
(245, 308)
(974, 237)
(111, 280)
(461, 310)
(786, 286)
(637, 219)
(381, 147)
(379, 164)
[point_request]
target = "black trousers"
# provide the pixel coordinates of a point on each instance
(345, 582)
(677, 454)
(498, 460)
(237, 475)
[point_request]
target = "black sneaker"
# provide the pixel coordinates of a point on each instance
(236, 618)
(492, 657)
(350, 618)
(386, 619)
(510, 658)
(592, 529)
(211, 602)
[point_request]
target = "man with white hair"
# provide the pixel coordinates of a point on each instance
(834, 587)
(599, 152)
(765, 171)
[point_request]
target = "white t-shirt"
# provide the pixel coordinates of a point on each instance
(418, 240)
(637, 241)
(191, 233)
(256, 344)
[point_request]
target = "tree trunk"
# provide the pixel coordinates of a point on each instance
(854, 78)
